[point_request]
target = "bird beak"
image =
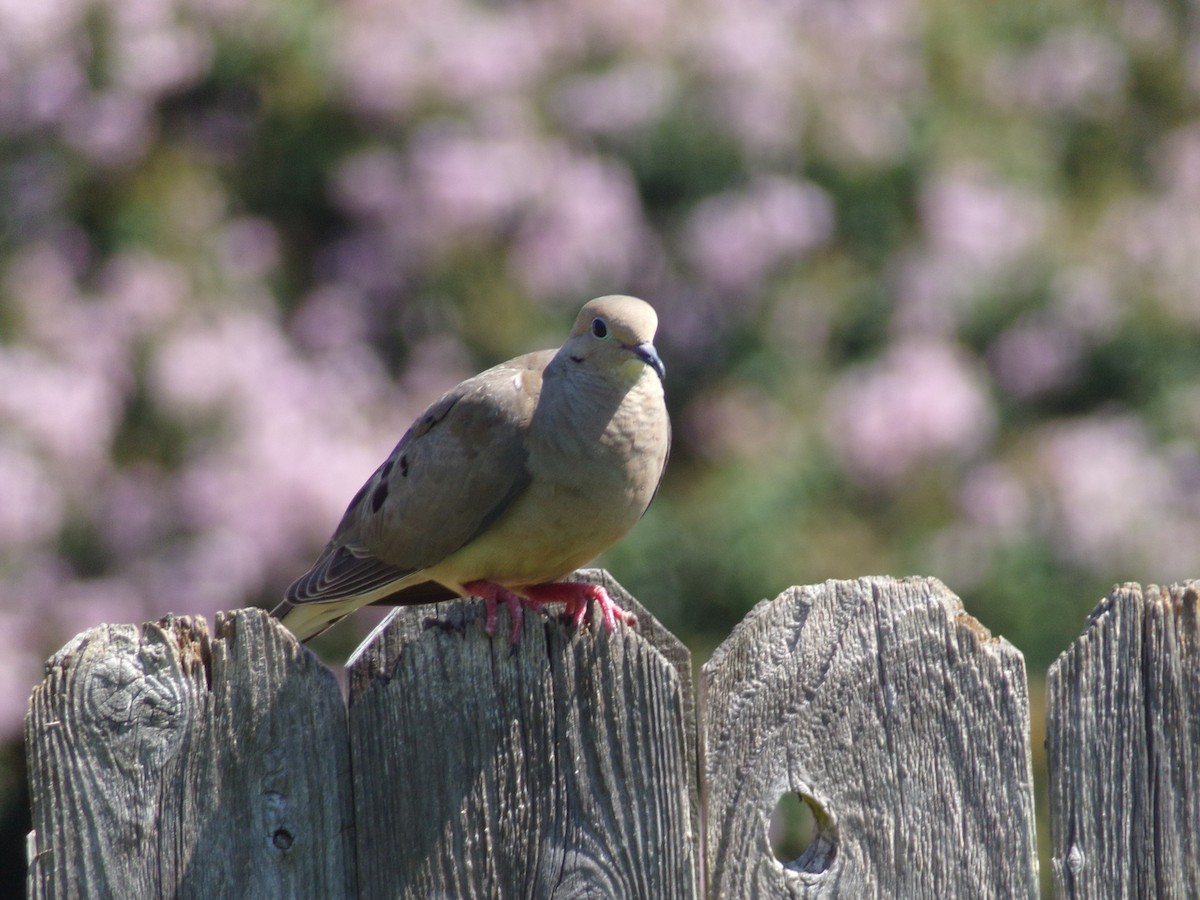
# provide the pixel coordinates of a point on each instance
(647, 354)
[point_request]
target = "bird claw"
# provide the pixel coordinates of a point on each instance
(494, 596)
(577, 597)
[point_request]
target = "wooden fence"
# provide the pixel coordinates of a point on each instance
(172, 763)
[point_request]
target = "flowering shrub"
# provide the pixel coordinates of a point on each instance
(928, 274)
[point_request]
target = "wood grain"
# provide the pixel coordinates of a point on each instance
(1123, 749)
(555, 768)
(166, 764)
(903, 721)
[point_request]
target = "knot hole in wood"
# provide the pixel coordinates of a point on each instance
(803, 835)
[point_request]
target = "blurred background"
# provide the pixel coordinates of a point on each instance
(928, 274)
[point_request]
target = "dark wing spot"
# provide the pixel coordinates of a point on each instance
(379, 496)
(403, 466)
(385, 469)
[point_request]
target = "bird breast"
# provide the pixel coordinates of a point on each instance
(594, 463)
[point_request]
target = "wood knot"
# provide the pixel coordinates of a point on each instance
(135, 703)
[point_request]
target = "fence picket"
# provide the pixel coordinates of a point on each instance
(554, 768)
(902, 723)
(167, 764)
(1123, 749)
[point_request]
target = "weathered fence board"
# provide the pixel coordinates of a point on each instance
(169, 765)
(903, 722)
(559, 768)
(1123, 749)
(166, 763)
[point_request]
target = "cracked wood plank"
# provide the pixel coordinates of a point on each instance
(902, 723)
(1123, 749)
(555, 768)
(169, 764)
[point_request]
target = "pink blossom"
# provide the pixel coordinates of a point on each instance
(22, 665)
(933, 290)
(137, 508)
(371, 183)
(1073, 70)
(627, 97)
(96, 601)
(142, 291)
(1158, 242)
(34, 505)
(755, 65)
(156, 59)
(248, 248)
(35, 27)
(390, 54)
(331, 317)
(1118, 503)
(67, 414)
(1038, 355)
(1146, 25)
(53, 88)
(995, 498)
(636, 26)
(921, 402)
(786, 70)
(865, 130)
(735, 240)
(112, 129)
(301, 435)
(472, 182)
(1177, 161)
(584, 229)
(41, 279)
(975, 217)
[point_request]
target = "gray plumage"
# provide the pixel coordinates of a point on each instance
(510, 481)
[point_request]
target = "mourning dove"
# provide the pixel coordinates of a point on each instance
(508, 483)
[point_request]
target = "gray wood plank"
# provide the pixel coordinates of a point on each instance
(1123, 749)
(166, 764)
(902, 718)
(556, 768)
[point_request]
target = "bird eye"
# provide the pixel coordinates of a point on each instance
(599, 328)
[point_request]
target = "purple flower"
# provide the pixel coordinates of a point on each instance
(1038, 355)
(923, 401)
(1118, 503)
(1073, 70)
(994, 498)
(735, 240)
(583, 229)
(627, 97)
(34, 505)
(988, 224)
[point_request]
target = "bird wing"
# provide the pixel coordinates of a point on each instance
(455, 471)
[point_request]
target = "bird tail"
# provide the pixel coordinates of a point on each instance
(307, 620)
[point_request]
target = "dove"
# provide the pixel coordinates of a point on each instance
(507, 484)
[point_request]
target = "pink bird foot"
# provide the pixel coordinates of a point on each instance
(493, 596)
(576, 595)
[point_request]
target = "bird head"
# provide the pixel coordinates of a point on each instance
(617, 333)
